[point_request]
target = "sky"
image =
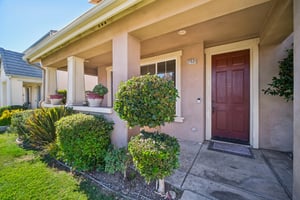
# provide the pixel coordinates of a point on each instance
(23, 22)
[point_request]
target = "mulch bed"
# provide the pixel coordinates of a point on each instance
(133, 187)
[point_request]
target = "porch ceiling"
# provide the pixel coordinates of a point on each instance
(162, 36)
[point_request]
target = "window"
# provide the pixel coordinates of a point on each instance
(167, 66)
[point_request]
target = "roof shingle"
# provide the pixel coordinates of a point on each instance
(14, 65)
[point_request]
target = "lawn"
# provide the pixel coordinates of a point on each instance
(23, 175)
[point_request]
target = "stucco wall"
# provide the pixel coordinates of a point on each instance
(276, 115)
(296, 169)
(192, 87)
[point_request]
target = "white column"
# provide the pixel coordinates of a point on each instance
(126, 64)
(8, 91)
(16, 92)
(34, 96)
(75, 92)
(50, 82)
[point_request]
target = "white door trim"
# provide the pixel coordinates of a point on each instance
(252, 45)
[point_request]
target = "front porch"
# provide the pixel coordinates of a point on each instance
(206, 174)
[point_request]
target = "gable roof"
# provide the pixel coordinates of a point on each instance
(14, 65)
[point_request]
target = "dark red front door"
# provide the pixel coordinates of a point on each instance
(231, 96)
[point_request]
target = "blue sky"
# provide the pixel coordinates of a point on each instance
(23, 22)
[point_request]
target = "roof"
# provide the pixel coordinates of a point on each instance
(48, 34)
(94, 19)
(14, 65)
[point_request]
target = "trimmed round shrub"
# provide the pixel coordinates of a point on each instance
(155, 155)
(146, 101)
(83, 140)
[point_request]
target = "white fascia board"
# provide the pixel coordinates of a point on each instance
(80, 25)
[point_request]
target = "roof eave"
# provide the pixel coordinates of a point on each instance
(88, 20)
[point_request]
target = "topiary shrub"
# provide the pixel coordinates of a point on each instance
(83, 140)
(146, 101)
(117, 160)
(155, 155)
(18, 124)
(41, 125)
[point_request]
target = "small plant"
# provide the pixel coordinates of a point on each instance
(18, 124)
(283, 84)
(155, 155)
(117, 160)
(64, 94)
(100, 89)
(41, 125)
(13, 107)
(83, 140)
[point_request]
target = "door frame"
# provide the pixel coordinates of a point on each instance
(252, 45)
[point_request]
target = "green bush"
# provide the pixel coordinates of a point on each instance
(13, 107)
(283, 84)
(5, 117)
(155, 155)
(83, 140)
(117, 160)
(41, 125)
(146, 101)
(18, 123)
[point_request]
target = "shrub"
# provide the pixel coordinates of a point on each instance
(41, 125)
(13, 107)
(18, 123)
(5, 118)
(83, 140)
(155, 155)
(283, 84)
(146, 101)
(117, 160)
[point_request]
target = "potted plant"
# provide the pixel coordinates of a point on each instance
(56, 99)
(95, 98)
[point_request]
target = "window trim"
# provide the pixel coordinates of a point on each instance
(165, 57)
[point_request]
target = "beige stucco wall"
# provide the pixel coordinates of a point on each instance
(296, 168)
(192, 87)
(276, 115)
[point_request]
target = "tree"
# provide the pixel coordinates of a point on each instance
(149, 101)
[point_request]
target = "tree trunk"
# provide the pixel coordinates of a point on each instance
(161, 186)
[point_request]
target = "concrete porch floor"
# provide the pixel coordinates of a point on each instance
(206, 174)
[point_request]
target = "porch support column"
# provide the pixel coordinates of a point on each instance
(75, 92)
(50, 82)
(126, 64)
(296, 167)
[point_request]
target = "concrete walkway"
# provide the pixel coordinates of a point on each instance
(206, 174)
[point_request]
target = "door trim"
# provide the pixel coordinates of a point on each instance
(252, 45)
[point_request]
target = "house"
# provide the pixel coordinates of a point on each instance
(221, 55)
(20, 82)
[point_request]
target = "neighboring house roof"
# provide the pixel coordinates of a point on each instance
(14, 65)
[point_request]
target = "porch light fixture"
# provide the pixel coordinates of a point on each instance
(181, 32)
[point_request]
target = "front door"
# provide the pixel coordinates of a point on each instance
(231, 96)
